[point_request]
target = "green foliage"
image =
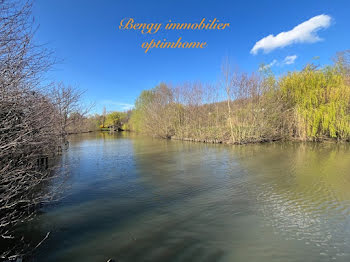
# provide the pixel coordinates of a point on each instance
(154, 112)
(115, 119)
(320, 102)
(312, 104)
(139, 113)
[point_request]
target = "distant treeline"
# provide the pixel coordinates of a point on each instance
(309, 105)
(107, 121)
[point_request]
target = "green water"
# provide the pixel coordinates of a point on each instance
(133, 198)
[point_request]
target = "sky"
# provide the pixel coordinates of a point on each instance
(112, 67)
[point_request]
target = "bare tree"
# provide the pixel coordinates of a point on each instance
(67, 100)
(28, 128)
(104, 113)
(227, 84)
(342, 61)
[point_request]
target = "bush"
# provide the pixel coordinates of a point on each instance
(319, 100)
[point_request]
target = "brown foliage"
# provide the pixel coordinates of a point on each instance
(29, 132)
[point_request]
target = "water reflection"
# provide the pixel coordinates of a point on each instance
(138, 199)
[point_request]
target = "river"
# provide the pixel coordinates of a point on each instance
(133, 198)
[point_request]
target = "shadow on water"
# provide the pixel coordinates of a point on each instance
(133, 198)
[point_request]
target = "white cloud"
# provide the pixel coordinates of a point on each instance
(290, 59)
(118, 105)
(305, 32)
(274, 62)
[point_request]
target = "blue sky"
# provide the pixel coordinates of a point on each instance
(113, 68)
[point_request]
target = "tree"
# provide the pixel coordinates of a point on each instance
(67, 100)
(103, 117)
(320, 102)
(116, 119)
(29, 132)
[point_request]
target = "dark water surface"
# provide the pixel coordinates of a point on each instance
(133, 198)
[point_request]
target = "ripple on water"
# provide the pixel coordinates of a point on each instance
(307, 201)
(137, 199)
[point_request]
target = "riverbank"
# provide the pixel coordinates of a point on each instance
(216, 141)
(308, 105)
